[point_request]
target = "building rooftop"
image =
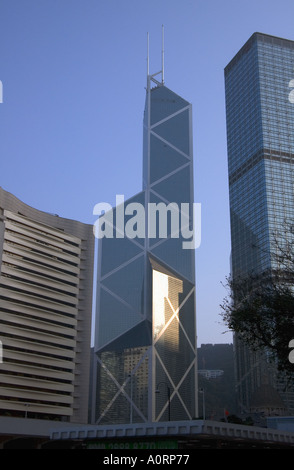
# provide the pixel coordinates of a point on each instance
(187, 433)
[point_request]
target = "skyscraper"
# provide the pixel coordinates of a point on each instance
(46, 285)
(260, 140)
(145, 345)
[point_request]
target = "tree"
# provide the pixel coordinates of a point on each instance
(260, 307)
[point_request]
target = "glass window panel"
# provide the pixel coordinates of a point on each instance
(177, 187)
(165, 102)
(176, 131)
(128, 283)
(172, 255)
(116, 251)
(163, 159)
(115, 318)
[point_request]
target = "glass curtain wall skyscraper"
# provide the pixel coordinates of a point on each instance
(260, 140)
(145, 345)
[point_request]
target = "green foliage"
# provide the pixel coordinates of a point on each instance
(261, 312)
(260, 307)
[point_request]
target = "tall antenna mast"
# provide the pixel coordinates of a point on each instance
(147, 54)
(151, 77)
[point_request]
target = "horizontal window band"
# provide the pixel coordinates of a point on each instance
(263, 154)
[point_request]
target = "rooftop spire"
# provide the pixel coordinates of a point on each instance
(151, 77)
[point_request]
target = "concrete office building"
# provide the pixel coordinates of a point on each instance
(46, 278)
(145, 347)
(260, 140)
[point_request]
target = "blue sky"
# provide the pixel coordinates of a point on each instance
(74, 77)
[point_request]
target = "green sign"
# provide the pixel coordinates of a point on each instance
(132, 445)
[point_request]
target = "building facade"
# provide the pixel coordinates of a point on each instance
(145, 348)
(260, 141)
(46, 285)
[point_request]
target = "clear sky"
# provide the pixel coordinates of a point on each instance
(74, 77)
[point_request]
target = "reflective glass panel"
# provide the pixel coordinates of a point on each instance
(163, 159)
(128, 284)
(176, 131)
(165, 102)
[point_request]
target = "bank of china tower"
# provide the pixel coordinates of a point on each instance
(145, 333)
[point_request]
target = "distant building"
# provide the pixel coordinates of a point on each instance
(260, 140)
(46, 278)
(216, 378)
